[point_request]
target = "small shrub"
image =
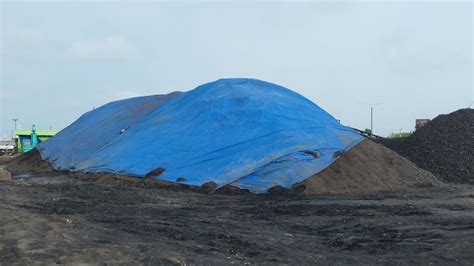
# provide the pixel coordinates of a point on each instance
(399, 135)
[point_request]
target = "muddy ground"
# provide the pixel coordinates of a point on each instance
(52, 218)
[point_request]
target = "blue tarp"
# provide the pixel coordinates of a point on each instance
(243, 132)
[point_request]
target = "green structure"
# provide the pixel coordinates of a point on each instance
(27, 139)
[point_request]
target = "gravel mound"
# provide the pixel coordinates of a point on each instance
(367, 168)
(445, 146)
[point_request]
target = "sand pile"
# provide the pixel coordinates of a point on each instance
(445, 146)
(368, 167)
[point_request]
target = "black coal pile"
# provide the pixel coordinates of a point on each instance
(445, 146)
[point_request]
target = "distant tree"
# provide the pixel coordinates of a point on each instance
(397, 135)
(368, 131)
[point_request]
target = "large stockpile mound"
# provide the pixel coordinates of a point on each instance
(242, 133)
(246, 133)
(445, 146)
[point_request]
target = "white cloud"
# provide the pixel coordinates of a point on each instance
(108, 48)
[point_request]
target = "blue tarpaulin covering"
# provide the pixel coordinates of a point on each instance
(243, 132)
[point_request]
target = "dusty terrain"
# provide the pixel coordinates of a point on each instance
(52, 218)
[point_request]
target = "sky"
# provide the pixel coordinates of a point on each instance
(406, 59)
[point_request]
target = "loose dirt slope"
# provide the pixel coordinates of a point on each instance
(368, 167)
(445, 146)
(30, 162)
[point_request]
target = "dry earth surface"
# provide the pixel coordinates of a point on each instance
(52, 218)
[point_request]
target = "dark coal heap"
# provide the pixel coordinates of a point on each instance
(445, 146)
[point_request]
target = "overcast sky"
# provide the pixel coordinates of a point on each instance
(407, 59)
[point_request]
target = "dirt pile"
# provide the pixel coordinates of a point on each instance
(29, 162)
(445, 146)
(5, 159)
(366, 168)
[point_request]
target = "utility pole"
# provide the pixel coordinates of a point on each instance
(371, 120)
(14, 121)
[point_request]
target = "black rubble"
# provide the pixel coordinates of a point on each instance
(445, 146)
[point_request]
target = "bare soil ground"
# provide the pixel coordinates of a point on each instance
(52, 218)
(4, 159)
